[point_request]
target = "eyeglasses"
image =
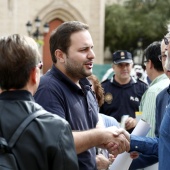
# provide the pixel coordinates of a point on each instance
(162, 57)
(146, 61)
(166, 41)
(40, 65)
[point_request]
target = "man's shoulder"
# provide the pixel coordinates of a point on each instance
(49, 115)
(49, 80)
(163, 92)
(105, 81)
(142, 81)
(47, 77)
(159, 85)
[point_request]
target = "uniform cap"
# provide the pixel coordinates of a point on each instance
(122, 56)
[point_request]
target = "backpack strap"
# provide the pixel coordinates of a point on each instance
(23, 125)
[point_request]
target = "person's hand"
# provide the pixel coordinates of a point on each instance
(111, 158)
(117, 131)
(116, 140)
(134, 155)
(130, 123)
(102, 162)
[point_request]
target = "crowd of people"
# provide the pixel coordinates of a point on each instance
(81, 125)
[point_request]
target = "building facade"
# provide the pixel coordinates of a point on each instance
(14, 15)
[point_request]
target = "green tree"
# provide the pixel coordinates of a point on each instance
(136, 19)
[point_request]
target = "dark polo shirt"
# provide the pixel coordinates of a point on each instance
(59, 95)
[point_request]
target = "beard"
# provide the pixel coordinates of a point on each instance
(76, 70)
(167, 61)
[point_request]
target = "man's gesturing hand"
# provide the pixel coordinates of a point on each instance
(116, 140)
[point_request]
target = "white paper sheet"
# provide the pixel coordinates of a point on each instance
(123, 161)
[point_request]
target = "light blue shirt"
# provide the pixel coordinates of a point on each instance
(109, 121)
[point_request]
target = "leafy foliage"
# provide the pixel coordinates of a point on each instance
(136, 20)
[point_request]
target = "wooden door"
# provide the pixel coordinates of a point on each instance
(47, 61)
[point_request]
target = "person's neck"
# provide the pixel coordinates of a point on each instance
(32, 91)
(155, 75)
(122, 81)
(72, 78)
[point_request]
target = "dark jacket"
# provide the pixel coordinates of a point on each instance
(162, 102)
(46, 144)
(122, 99)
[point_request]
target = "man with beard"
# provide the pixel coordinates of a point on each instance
(65, 91)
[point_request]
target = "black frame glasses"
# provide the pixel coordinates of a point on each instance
(166, 41)
(161, 57)
(146, 61)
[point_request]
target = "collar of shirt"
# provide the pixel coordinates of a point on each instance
(16, 95)
(157, 79)
(84, 83)
(132, 81)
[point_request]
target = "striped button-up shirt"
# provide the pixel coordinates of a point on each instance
(148, 101)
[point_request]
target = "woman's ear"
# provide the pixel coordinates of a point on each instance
(59, 56)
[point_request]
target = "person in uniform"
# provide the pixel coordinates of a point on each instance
(122, 92)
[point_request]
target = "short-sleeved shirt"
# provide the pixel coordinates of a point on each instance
(59, 95)
(109, 121)
(122, 99)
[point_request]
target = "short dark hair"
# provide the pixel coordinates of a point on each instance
(60, 37)
(152, 52)
(18, 56)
